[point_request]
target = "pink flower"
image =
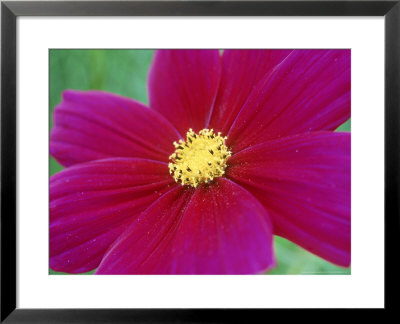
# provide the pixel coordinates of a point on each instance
(132, 202)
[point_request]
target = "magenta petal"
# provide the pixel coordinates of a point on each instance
(304, 183)
(308, 91)
(241, 71)
(95, 125)
(183, 85)
(215, 229)
(152, 230)
(91, 204)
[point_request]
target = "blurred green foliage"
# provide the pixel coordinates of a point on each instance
(125, 72)
(119, 71)
(345, 127)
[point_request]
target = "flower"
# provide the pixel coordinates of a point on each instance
(235, 148)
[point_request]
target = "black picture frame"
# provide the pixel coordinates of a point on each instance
(10, 10)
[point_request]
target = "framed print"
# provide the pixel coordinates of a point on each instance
(179, 161)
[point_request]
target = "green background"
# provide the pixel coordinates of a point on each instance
(125, 72)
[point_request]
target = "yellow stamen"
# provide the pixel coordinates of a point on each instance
(199, 159)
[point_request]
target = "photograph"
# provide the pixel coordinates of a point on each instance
(200, 161)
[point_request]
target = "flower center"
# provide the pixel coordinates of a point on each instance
(201, 158)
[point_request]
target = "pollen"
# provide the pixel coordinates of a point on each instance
(199, 159)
